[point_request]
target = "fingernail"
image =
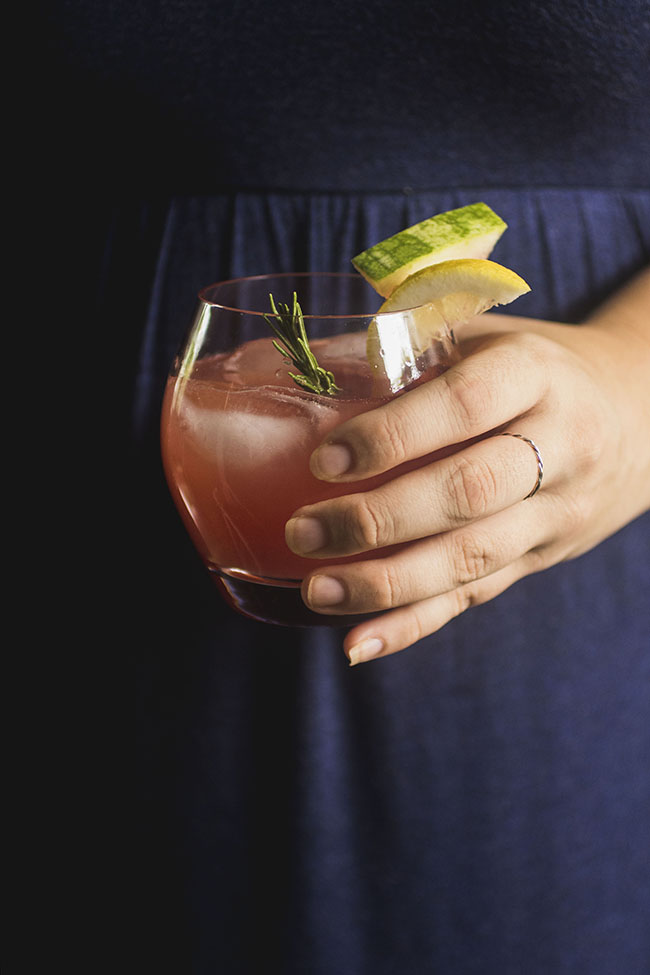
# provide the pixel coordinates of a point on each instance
(304, 535)
(331, 460)
(325, 591)
(365, 650)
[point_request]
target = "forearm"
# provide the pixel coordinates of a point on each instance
(622, 325)
(627, 312)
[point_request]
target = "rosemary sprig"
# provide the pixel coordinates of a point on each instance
(289, 326)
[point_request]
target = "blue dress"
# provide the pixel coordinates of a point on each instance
(478, 803)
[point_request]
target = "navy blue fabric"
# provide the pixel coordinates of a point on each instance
(253, 94)
(478, 803)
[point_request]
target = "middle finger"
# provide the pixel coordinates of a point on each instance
(479, 481)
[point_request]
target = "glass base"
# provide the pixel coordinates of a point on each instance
(276, 601)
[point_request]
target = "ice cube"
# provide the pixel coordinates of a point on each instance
(350, 345)
(258, 427)
(257, 363)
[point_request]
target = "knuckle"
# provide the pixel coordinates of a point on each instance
(536, 348)
(387, 441)
(540, 558)
(530, 350)
(471, 397)
(590, 437)
(368, 524)
(463, 599)
(592, 451)
(474, 594)
(472, 489)
(417, 624)
(574, 513)
(571, 514)
(471, 559)
(384, 586)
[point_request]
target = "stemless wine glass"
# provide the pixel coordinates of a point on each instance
(238, 430)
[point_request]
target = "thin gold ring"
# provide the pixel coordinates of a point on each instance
(540, 462)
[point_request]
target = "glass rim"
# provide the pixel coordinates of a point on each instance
(349, 275)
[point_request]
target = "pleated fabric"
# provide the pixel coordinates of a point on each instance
(476, 804)
(573, 247)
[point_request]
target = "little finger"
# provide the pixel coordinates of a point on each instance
(403, 627)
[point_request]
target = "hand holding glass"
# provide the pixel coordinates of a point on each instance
(238, 431)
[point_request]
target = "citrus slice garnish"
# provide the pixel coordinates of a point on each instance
(430, 303)
(459, 289)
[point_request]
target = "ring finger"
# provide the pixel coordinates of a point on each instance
(475, 483)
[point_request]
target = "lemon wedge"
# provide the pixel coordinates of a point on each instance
(459, 289)
(427, 305)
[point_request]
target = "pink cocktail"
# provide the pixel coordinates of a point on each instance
(237, 431)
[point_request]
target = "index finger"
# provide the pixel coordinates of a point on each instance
(500, 381)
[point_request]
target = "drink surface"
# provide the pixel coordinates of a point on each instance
(236, 440)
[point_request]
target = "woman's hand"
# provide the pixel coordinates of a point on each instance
(463, 526)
